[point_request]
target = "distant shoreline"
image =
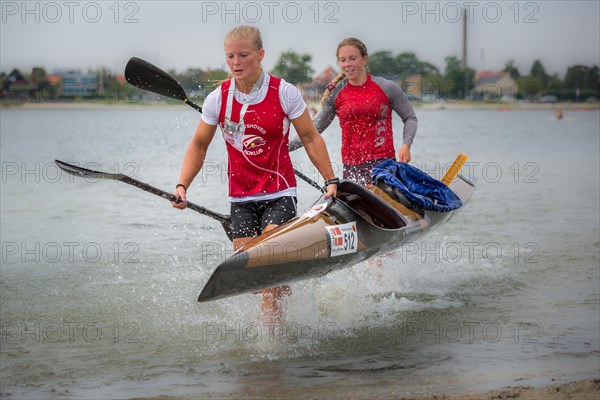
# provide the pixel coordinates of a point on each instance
(458, 105)
(507, 106)
(90, 106)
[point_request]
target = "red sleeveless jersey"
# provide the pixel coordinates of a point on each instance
(264, 166)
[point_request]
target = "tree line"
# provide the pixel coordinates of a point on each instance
(453, 82)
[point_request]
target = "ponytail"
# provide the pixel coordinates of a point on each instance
(331, 85)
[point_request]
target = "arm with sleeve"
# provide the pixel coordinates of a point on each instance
(400, 104)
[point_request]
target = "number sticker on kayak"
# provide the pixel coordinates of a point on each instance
(343, 239)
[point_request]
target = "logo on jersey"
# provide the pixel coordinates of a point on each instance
(251, 142)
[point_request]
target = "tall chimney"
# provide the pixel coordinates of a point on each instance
(464, 45)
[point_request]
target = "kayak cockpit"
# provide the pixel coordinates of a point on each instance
(370, 206)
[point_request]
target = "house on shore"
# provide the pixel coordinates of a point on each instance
(494, 86)
(76, 84)
(314, 90)
(16, 86)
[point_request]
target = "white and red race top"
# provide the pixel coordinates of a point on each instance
(259, 166)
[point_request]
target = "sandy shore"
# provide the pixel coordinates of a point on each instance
(587, 389)
(578, 390)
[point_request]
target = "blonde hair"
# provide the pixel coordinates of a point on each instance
(351, 41)
(246, 32)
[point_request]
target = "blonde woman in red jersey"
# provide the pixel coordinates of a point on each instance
(254, 111)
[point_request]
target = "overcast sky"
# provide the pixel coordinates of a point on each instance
(180, 34)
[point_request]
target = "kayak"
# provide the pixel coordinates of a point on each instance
(335, 233)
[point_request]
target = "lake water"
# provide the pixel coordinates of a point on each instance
(99, 280)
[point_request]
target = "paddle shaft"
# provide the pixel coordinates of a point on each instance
(89, 173)
(193, 105)
(171, 197)
(308, 180)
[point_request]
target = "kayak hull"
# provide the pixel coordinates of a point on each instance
(332, 234)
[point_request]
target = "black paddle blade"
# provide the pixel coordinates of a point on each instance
(146, 76)
(86, 173)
